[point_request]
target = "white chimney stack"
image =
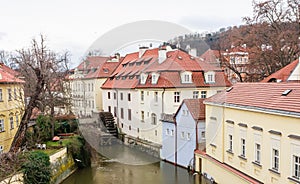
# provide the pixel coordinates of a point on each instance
(162, 55)
(142, 50)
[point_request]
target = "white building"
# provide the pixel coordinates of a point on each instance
(153, 82)
(86, 82)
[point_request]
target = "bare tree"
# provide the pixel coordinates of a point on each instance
(11, 164)
(40, 68)
(274, 33)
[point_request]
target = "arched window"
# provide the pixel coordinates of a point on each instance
(153, 119)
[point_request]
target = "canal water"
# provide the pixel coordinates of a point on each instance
(125, 165)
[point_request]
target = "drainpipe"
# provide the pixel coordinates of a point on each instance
(162, 100)
(197, 147)
(175, 134)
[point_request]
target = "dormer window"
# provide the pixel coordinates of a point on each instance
(154, 78)
(186, 77)
(143, 78)
(210, 77)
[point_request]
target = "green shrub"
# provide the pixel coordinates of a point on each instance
(80, 151)
(37, 168)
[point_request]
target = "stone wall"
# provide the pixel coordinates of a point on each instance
(62, 166)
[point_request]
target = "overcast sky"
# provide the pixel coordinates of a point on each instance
(71, 25)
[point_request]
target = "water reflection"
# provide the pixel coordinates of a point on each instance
(131, 166)
(113, 172)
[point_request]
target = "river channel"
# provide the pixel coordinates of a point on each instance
(124, 165)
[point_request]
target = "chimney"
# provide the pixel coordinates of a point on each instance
(142, 50)
(162, 55)
(193, 52)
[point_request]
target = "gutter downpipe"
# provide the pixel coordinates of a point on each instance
(175, 123)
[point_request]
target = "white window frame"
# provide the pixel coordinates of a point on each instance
(182, 135)
(203, 94)
(188, 136)
(275, 159)
(153, 119)
(257, 153)
(176, 97)
(296, 167)
(195, 94)
(243, 147)
(230, 142)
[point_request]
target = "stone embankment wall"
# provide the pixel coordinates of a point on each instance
(62, 166)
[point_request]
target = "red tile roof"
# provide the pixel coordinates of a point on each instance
(196, 108)
(98, 67)
(262, 96)
(7, 75)
(211, 56)
(283, 74)
(175, 62)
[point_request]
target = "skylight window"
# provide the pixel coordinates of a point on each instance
(229, 89)
(286, 92)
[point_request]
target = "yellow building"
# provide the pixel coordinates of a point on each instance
(253, 134)
(11, 106)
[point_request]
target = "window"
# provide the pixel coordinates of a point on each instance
(188, 136)
(17, 120)
(155, 133)
(11, 122)
(9, 94)
(257, 153)
(142, 95)
(92, 86)
(121, 96)
(109, 108)
(167, 132)
(275, 159)
(176, 97)
(129, 97)
(172, 132)
(153, 79)
(195, 94)
(1, 94)
(129, 114)
(2, 125)
(108, 95)
(115, 95)
(243, 147)
(153, 119)
(122, 113)
(182, 135)
(142, 116)
(186, 78)
(296, 167)
(93, 104)
(15, 93)
(129, 127)
(155, 96)
(203, 94)
(115, 111)
(210, 77)
(230, 139)
(89, 87)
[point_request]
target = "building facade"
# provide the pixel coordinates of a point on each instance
(181, 137)
(252, 134)
(11, 106)
(86, 81)
(153, 82)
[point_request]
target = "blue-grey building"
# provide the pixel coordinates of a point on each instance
(184, 133)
